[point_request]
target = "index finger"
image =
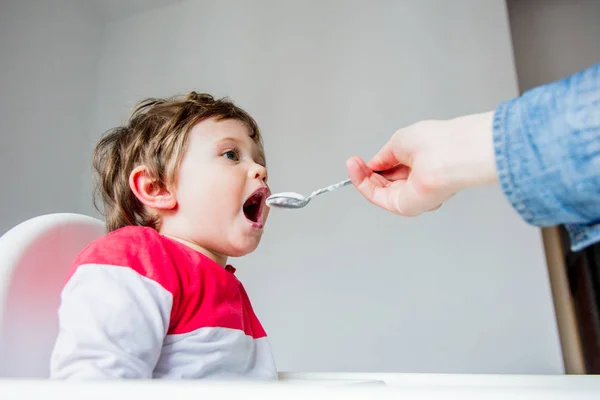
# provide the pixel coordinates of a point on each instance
(390, 155)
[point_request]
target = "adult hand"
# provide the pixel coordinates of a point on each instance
(425, 164)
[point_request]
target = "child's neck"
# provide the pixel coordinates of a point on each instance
(218, 258)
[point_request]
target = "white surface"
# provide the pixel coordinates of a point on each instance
(341, 285)
(337, 386)
(36, 257)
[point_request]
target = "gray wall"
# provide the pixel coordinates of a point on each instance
(342, 285)
(48, 65)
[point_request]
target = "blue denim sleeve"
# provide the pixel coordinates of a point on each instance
(547, 146)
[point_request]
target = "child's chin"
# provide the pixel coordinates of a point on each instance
(243, 249)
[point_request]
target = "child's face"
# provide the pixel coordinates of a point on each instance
(221, 190)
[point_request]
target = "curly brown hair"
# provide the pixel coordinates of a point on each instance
(155, 136)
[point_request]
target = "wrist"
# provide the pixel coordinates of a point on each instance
(478, 158)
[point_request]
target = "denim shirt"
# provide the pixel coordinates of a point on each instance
(547, 146)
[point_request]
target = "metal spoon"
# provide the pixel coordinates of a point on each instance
(296, 200)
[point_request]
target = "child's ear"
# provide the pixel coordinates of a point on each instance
(149, 192)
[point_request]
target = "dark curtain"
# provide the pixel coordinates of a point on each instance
(583, 269)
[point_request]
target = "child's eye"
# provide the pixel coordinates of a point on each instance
(232, 155)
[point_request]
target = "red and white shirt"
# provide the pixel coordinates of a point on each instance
(140, 305)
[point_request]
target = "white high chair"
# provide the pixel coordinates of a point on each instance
(35, 257)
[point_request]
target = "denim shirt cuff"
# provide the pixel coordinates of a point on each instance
(511, 189)
(583, 235)
(519, 196)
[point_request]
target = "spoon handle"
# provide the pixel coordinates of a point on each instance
(331, 188)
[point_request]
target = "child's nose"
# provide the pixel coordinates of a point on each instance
(259, 172)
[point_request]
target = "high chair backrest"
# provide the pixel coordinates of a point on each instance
(35, 257)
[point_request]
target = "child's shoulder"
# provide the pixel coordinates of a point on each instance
(141, 249)
(129, 240)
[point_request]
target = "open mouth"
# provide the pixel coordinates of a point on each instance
(253, 206)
